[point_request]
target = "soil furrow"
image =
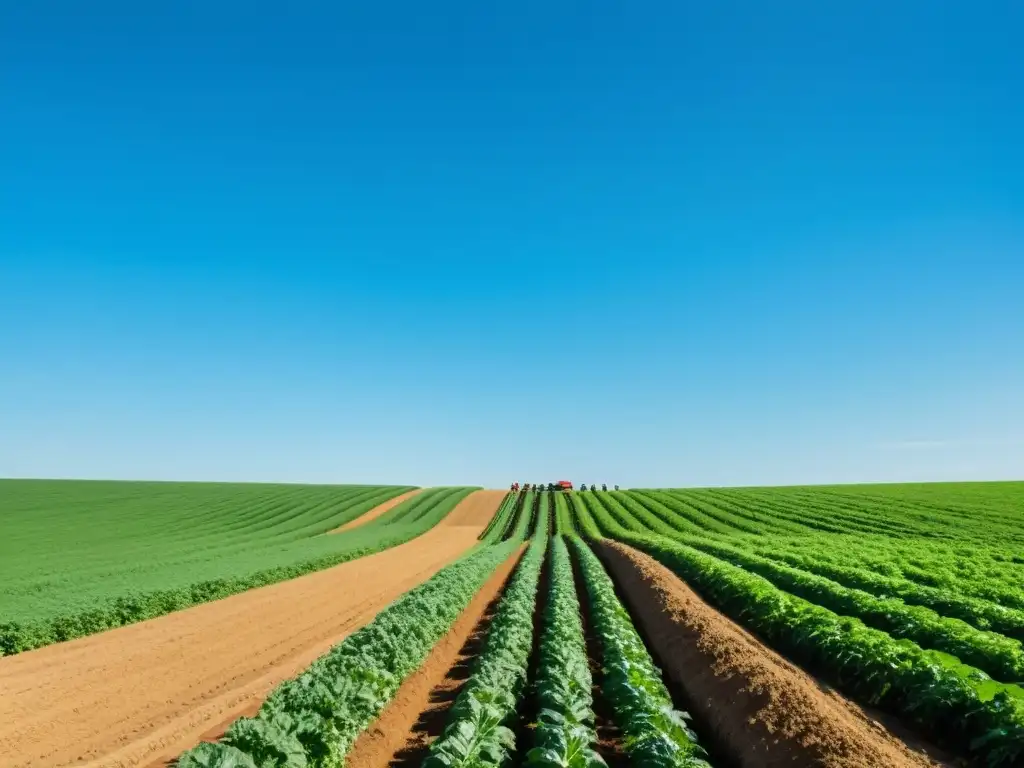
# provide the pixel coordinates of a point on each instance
(762, 711)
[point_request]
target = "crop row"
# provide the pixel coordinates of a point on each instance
(981, 614)
(922, 564)
(946, 701)
(564, 734)
(478, 732)
(1000, 656)
(495, 529)
(656, 734)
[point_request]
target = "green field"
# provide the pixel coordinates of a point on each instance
(904, 598)
(80, 556)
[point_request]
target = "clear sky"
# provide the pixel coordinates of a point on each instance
(646, 243)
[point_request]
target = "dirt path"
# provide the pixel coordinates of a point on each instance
(477, 509)
(144, 693)
(763, 711)
(377, 511)
(425, 696)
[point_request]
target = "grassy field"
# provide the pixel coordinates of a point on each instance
(79, 556)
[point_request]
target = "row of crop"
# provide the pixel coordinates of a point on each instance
(655, 733)
(563, 517)
(564, 734)
(999, 656)
(813, 517)
(417, 507)
(944, 519)
(764, 522)
(696, 520)
(757, 522)
(520, 525)
(924, 563)
(478, 732)
(956, 709)
(314, 719)
(496, 527)
(981, 614)
(290, 512)
(944, 510)
(16, 637)
(818, 505)
(979, 569)
(543, 518)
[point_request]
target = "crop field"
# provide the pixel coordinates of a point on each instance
(78, 557)
(845, 626)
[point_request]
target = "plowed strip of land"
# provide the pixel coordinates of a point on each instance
(146, 692)
(764, 712)
(434, 685)
(477, 509)
(377, 511)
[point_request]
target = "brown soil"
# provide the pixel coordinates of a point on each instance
(142, 694)
(416, 716)
(762, 710)
(477, 509)
(377, 511)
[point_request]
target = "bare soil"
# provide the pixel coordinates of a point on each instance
(142, 694)
(416, 716)
(377, 511)
(763, 711)
(476, 510)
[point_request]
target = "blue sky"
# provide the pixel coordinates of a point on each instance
(654, 243)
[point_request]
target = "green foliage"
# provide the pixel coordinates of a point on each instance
(478, 732)
(520, 530)
(496, 528)
(957, 705)
(314, 719)
(564, 525)
(133, 551)
(542, 523)
(655, 733)
(999, 656)
(564, 734)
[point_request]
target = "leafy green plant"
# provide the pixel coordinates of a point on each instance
(564, 734)
(314, 719)
(957, 705)
(478, 732)
(656, 734)
(999, 656)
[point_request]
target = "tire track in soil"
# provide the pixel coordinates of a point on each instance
(760, 710)
(421, 697)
